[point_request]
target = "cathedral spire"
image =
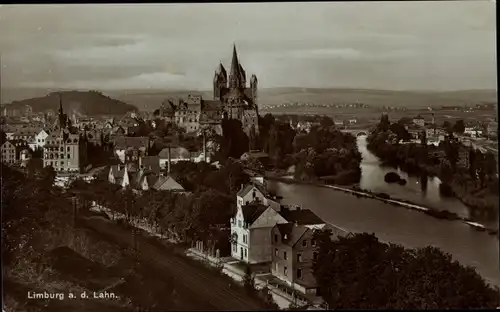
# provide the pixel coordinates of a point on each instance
(235, 74)
(60, 104)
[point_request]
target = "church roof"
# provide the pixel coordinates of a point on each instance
(221, 71)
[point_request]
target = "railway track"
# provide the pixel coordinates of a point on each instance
(213, 290)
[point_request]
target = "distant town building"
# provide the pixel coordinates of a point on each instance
(64, 150)
(419, 121)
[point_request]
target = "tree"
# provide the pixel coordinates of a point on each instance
(360, 272)
(384, 123)
(249, 279)
(400, 131)
(326, 122)
(451, 149)
(459, 126)
(447, 126)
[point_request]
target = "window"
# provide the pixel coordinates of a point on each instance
(235, 248)
(313, 242)
(299, 257)
(239, 223)
(62, 149)
(275, 238)
(68, 149)
(245, 252)
(299, 273)
(62, 163)
(244, 238)
(68, 156)
(315, 255)
(284, 255)
(285, 269)
(304, 243)
(276, 252)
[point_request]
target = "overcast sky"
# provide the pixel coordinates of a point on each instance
(392, 45)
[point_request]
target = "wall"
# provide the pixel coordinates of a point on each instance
(237, 227)
(278, 261)
(260, 236)
(307, 260)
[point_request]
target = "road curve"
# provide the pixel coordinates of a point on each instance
(214, 290)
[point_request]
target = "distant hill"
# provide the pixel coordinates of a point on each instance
(152, 99)
(90, 103)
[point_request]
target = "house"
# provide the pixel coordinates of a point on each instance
(419, 120)
(250, 232)
(40, 139)
(257, 213)
(130, 148)
(294, 252)
(167, 183)
(118, 174)
(25, 133)
(492, 129)
(9, 155)
(150, 163)
(145, 180)
(65, 151)
(174, 154)
(262, 157)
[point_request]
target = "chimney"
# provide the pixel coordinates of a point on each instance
(168, 163)
(241, 187)
(204, 147)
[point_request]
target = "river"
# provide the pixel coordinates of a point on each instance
(399, 225)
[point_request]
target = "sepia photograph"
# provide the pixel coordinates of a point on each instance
(249, 156)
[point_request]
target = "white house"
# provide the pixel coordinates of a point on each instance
(40, 139)
(420, 121)
(473, 132)
(257, 213)
(118, 174)
(251, 232)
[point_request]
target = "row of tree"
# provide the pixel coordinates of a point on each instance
(360, 272)
(198, 214)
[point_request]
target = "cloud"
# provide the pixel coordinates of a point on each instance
(384, 45)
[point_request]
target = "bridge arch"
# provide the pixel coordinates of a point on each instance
(360, 133)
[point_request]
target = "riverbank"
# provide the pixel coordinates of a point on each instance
(386, 198)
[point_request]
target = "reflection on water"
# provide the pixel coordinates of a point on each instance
(397, 225)
(419, 190)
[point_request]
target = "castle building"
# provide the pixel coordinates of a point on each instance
(64, 150)
(232, 99)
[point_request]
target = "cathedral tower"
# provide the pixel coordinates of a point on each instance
(236, 77)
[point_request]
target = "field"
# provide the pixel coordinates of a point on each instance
(152, 99)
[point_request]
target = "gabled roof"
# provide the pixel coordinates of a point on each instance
(247, 188)
(291, 233)
(151, 163)
(175, 153)
(301, 216)
(130, 142)
(117, 171)
(252, 212)
(211, 105)
(167, 183)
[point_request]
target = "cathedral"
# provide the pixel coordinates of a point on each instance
(238, 100)
(232, 99)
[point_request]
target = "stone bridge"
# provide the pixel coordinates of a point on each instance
(357, 132)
